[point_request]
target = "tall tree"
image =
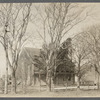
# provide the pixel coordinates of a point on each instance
(92, 37)
(14, 21)
(63, 58)
(58, 20)
(81, 55)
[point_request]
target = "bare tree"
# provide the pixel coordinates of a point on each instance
(81, 55)
(58, 20)
(92, 37)
(14, 21)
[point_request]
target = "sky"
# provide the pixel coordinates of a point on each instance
(93, 18)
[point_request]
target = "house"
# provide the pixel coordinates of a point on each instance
(64, 74)
(30, 72)
(91, 76)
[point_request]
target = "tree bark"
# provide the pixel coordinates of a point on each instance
(24, 86)
(39, 80)
(13, 84)
(49, 85)
(6, 82)
(78, 83)
(6, 79)
(24, 77)
(48, 80)
(98, 82)
(97, 58)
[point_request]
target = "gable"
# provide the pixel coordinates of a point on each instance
(27, 55)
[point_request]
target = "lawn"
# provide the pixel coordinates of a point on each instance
(34, 92)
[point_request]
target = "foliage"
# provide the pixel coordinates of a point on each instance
(61, 58)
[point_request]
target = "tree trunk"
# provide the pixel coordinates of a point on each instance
(98, 82)
(39, 80)
(48, 76)
(52, 84)
(13, 84)
(24, 86)
(48, 80)
(49, 85)
(6, 82)
(78, 83)
(73, 78)
(97, 70)
(24, 77)
(6, 79)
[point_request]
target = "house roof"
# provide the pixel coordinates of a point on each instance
(28, 54)
(27, 51)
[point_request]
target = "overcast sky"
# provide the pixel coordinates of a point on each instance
(93, 18)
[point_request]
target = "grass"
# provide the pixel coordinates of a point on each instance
(34, 92)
